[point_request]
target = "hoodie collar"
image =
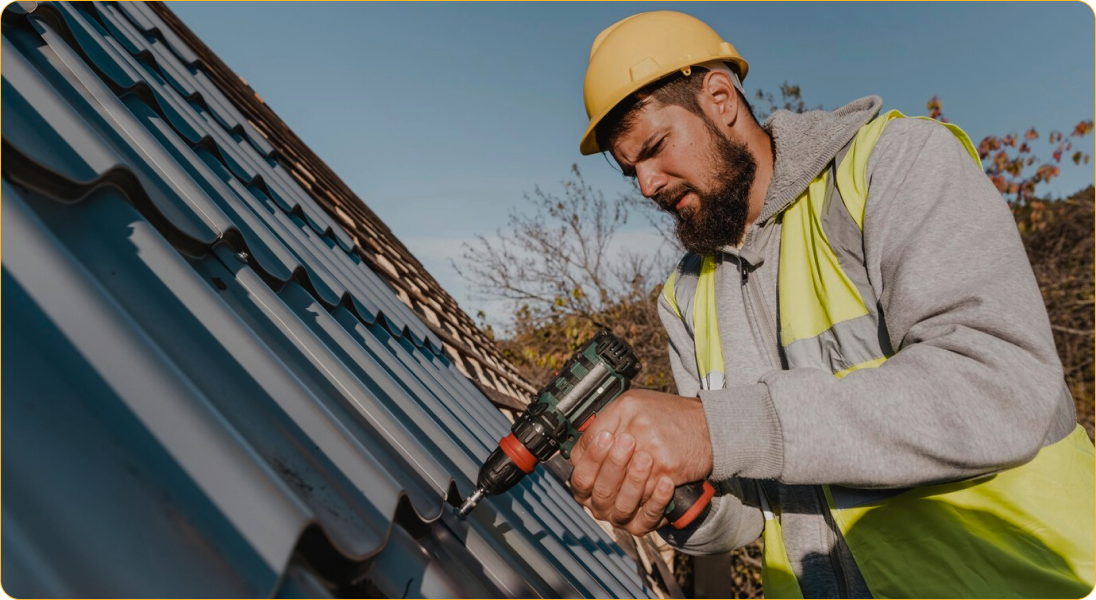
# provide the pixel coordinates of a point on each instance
(805, 143)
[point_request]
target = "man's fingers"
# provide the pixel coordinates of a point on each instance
(611, 476)
(651, 516)
(632, 490)
(605, 421)
(588, 465)
(581, 446)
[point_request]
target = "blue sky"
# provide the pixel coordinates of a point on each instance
(442, 116)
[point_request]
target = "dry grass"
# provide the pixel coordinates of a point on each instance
(1060, 241)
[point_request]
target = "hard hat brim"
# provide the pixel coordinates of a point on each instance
(589, 144)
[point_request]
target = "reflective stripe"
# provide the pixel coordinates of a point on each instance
(763, 500)
(709, 346)
(847, 241)
(841, 348)
(871, 364)
(777, 576)
(669, 292)
(814, 292)
(680, 289)
(690, 293)
(714, 380)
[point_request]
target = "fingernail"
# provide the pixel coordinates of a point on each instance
(626, 441)
(604, 439)
(642, 461)
(665, 484)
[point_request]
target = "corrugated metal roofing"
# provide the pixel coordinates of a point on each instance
(209, 393)
(472, 352)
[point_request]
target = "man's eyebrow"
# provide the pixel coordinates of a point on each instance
(644, 152)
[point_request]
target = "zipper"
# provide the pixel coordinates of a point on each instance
(835, 558)
(757, 302)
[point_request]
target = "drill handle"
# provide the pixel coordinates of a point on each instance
(689, 502)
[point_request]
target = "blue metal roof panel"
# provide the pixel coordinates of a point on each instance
(258, 175)
(214, 398)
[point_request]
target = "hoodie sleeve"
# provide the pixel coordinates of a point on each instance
(734, 519)
(975, 384)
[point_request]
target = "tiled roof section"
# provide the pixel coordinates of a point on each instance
(475, 354)
(209, 392)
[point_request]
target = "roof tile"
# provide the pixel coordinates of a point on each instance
(215, 394)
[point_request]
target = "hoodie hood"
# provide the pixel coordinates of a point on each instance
(805, 143)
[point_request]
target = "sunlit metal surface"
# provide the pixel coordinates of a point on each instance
(209, 393)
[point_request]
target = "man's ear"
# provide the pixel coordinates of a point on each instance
(722, 97)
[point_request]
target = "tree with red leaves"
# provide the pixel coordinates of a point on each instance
(1008, 159)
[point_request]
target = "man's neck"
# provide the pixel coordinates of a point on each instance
(761, 145)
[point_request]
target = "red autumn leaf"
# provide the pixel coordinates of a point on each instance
(935, 107)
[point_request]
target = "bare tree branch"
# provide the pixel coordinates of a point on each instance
(557, 258)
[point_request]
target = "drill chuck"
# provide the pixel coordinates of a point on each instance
(504, 468)
(471, 502)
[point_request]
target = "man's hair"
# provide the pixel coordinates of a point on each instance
(676, 89)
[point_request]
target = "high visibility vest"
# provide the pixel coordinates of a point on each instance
(1026, 531)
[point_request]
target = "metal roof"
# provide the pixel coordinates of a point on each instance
(473, 353)
(210, 393)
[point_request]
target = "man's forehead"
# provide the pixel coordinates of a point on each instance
(638, 126)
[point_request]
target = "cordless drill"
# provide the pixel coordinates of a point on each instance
(595, 376)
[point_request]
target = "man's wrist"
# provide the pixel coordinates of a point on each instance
(745, 433)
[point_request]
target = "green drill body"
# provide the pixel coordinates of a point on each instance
(596, 375)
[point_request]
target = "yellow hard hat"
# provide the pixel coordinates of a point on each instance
(643, 48)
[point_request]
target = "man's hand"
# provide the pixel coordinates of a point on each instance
(635, 453)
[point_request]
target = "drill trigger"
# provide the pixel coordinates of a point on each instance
(586, 423)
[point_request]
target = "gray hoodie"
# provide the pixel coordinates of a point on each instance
(975, 385)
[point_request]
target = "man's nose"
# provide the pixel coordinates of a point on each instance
(650, 180)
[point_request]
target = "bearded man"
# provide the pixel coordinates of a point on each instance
(865, 366)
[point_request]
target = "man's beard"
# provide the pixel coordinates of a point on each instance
(719, 218)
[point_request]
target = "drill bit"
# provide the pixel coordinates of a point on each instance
(470, 503)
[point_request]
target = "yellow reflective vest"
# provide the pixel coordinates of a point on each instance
(1026, 531)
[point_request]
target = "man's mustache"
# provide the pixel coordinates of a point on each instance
(667, 198)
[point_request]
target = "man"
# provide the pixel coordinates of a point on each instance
(866, 369)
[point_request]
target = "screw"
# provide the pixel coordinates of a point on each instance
(242, 257)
